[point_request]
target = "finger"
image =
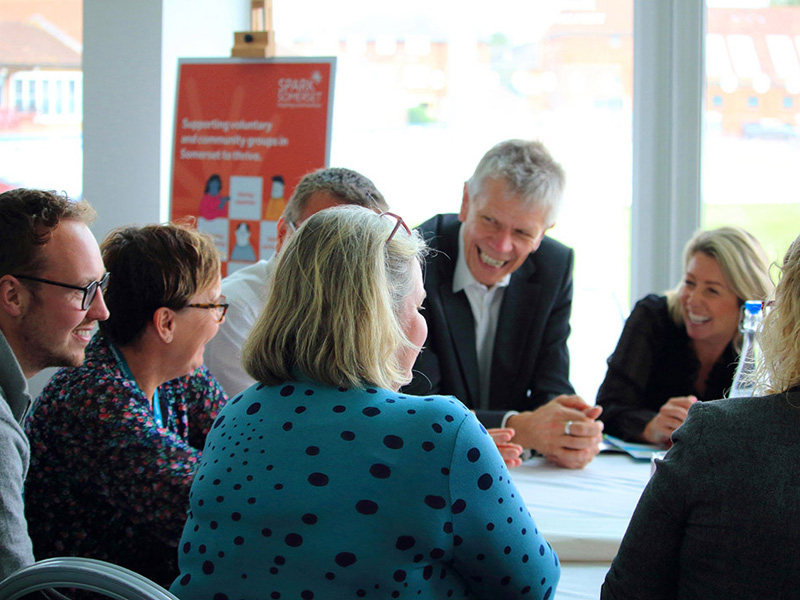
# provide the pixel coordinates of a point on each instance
(593, 412)
(571, 459)
(571, 442)
(585, 428)
(573, 401)
(511, 459)
(509, 449)
(671, 421)
(684, 402)
(501, 435)
(673, 412)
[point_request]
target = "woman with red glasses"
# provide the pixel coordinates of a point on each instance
(115, 442)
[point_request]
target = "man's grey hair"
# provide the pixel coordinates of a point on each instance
(347, 186)
(528, 169)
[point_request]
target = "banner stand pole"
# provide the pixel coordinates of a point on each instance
(259, 42)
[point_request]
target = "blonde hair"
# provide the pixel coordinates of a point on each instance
(740, 257)
(336, 298)
(779, 337)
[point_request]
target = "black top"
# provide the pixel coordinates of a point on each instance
(652, 363)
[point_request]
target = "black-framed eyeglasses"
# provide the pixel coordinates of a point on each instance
(89, 291)
(220, 307)
(397, 225)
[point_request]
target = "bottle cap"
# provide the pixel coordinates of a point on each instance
(753, 306)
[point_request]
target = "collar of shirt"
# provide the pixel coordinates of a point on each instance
(463, 278)
(155, 405)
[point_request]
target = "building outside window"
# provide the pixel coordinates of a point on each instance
(424, 89)
(752, 143)
(41, 102)
(418, 122)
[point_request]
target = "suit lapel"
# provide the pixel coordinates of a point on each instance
(461, 326)
(457, 312)
(510, 364)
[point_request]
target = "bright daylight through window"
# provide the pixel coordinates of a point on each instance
(41, 94)
(423, 89)
(752, 136)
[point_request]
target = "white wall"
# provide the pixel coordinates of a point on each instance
(130, 55)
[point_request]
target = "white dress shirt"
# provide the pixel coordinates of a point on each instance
(246, 291)
(485, 304)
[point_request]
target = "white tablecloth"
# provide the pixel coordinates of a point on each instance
(583, 514)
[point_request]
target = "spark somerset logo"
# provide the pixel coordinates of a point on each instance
(300, 92)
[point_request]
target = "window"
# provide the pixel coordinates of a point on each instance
(32, 96)
(71, 97)
(41, 96)
(18, 99)
(45, 106)
(431, 89)
(752, 143)
(59, 97)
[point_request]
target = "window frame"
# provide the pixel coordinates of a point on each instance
(668, 101)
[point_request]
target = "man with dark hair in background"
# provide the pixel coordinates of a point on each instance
(51, 282)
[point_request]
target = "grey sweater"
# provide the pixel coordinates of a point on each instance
(15, 545)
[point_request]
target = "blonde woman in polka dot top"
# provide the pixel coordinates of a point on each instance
(322, 481)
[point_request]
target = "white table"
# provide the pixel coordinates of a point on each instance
(583, 514)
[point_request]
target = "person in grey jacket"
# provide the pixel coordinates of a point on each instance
(51, 277)
(721, 516)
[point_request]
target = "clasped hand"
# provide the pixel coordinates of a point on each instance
(545, 430)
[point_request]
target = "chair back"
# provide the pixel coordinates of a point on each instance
(83, 574)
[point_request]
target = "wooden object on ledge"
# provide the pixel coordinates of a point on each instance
(260, 41)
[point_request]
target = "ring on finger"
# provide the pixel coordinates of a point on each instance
(567, 428)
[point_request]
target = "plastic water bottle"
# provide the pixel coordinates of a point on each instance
(744, 379)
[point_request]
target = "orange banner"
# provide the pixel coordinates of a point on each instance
(246, 131)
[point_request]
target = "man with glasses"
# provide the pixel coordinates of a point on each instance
(51, 282)
(247, 289)
(499, 295)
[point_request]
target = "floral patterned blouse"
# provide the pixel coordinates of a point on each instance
(105, 480)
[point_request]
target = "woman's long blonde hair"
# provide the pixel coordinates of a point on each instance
(780, 331)
(334, 307)
(740, 257)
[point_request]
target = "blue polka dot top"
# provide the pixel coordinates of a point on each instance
(315, 492)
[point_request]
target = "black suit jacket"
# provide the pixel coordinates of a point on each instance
(530, 362)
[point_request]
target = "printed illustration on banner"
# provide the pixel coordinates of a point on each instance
(246, 197)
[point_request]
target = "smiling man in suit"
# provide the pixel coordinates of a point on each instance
(499, 296)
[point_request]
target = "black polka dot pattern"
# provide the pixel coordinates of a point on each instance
(380, 471)
(366, 507)
(357, 493)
